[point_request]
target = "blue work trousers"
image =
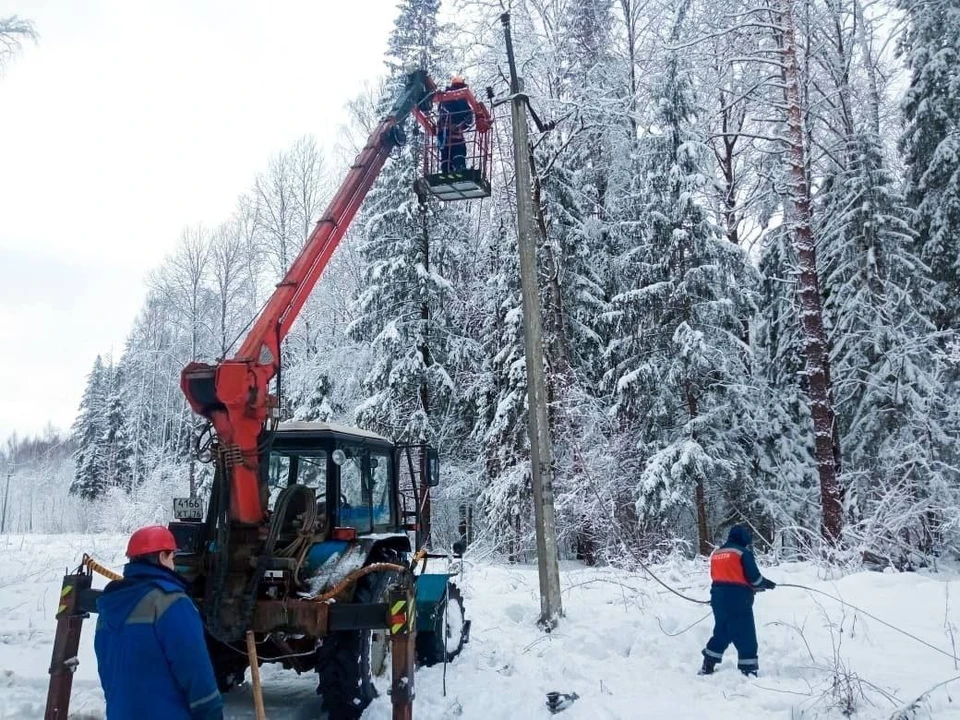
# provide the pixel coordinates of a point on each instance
(733, 623)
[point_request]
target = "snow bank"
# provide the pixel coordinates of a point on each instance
(612, 648)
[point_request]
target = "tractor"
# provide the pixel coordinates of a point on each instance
(340, 500)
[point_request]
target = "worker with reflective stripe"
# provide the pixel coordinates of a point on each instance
(736, 578)
(151, 652)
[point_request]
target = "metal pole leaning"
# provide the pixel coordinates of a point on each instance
(403, 634)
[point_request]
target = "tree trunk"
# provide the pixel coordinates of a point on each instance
(630, 20)
(703, 534)
(731, 127)
(811, 311)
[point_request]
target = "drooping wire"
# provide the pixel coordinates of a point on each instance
(863, 612)
(679, 594)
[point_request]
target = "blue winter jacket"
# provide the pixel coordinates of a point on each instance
(151, 652)
(740, 539)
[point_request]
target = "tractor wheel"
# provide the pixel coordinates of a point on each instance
(348, 662)
(229, 665)
(435, 646)
(227, 681)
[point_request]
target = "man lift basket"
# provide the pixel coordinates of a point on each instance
(456, 154)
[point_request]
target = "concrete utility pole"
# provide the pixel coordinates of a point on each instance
(541, 454)
(6, 495)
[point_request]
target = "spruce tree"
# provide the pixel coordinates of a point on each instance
(90, 477)
(118, 451)
(498, 391)
(931, 146)
(678, 367)
(784, 471)
(890, 400)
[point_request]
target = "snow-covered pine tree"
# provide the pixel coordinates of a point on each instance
(308, 390)
(678, 361)
(568, 58)
(784, 473)
(498, 391)
(116, 442)
(890, 400)
(577, 161)
(931, 146)
(89, 430)
(412, 245)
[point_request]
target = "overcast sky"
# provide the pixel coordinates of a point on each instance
(127, 121)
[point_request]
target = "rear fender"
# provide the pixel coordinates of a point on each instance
(431, 595)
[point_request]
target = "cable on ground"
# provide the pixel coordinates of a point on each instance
(860, 610)
(689, 627)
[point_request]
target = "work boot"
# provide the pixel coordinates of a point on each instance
(749, 671)
(709, 665)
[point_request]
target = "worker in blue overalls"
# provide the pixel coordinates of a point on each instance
(151, 652)
(454, 118)
(736, 579)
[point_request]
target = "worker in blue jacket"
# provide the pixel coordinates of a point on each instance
(736, 579)
(151, 652)
(454, 118)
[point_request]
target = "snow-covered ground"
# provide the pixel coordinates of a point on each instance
(612, 648)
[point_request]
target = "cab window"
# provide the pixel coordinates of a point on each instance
(278, 475)
(381, 490)
(286, 469)
(312, 472)
(354, 491)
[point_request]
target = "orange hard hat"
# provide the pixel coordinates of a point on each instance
(151, 539)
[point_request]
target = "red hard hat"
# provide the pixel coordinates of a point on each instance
(150, 539)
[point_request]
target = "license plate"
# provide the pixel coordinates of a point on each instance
(188, 508)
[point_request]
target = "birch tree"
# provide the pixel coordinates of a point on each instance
(14, 30)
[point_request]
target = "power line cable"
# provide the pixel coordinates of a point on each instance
(950, 655)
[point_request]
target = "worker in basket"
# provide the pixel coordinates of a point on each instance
(736, 579)
(151, 653)
(454, 118)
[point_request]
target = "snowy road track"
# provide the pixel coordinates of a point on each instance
(816, 656)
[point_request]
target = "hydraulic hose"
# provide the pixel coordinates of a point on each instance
(92, 565)
(352, 578)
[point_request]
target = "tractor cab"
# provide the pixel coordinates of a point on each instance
(357, 482)
(456, 154)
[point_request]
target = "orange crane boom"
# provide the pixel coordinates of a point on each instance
(233, 394)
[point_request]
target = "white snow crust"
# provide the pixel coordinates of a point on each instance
(611, 648)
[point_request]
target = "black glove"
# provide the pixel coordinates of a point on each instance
(766, 584)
